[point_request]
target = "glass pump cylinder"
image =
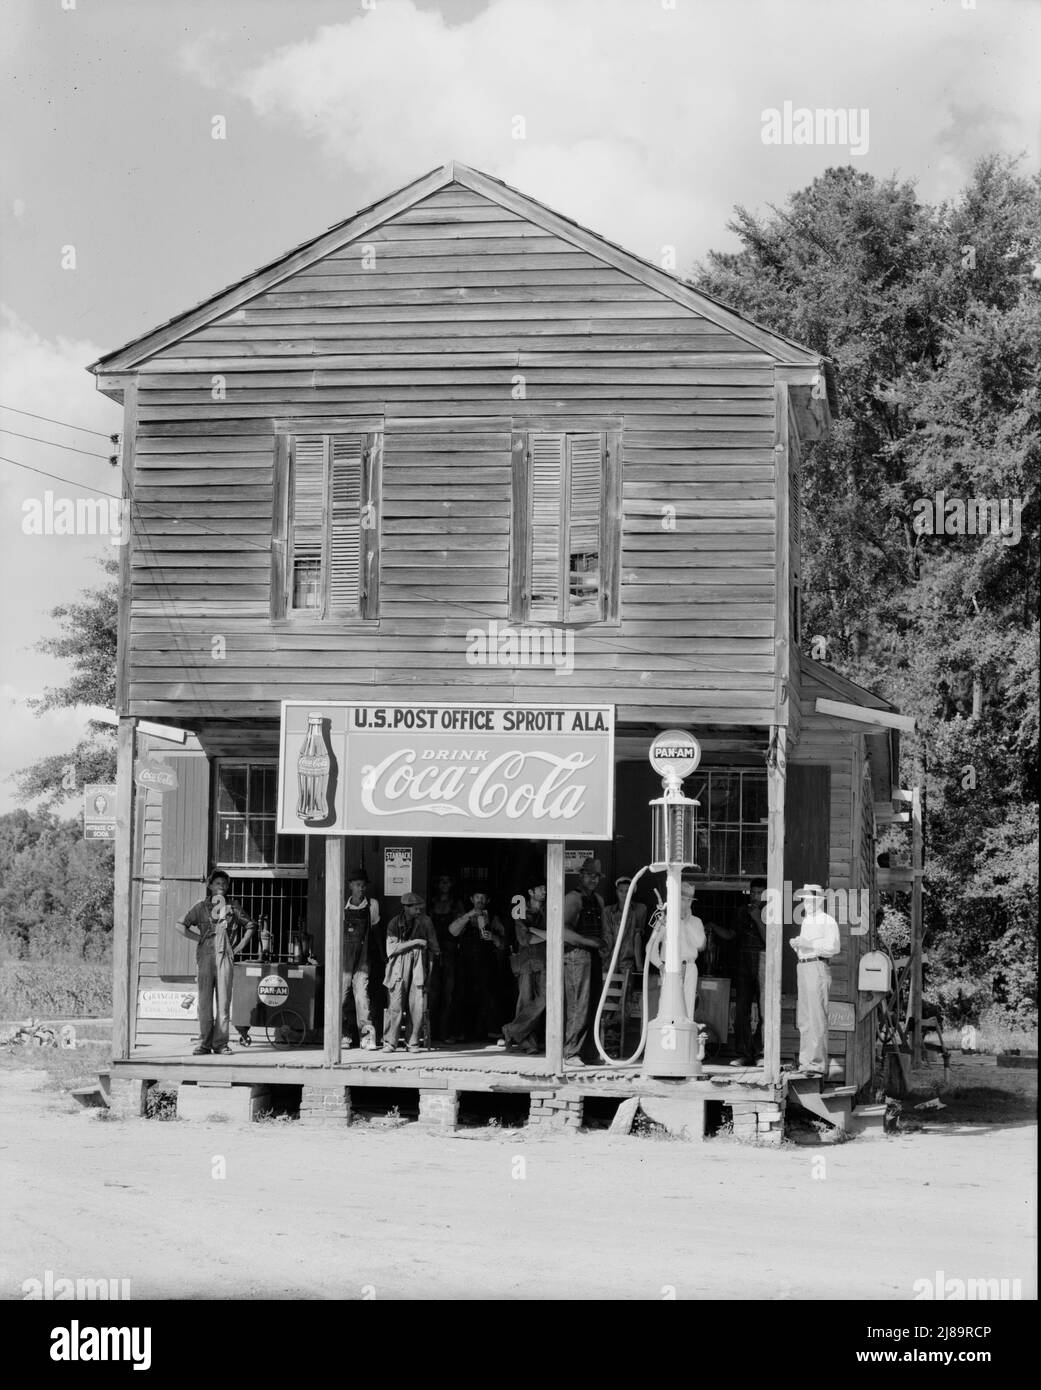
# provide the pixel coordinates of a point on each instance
(673, 832)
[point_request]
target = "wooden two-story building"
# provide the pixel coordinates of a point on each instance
(460, 412)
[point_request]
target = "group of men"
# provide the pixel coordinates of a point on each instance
(445, 971)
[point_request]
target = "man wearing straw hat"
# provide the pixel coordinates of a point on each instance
(816, 944)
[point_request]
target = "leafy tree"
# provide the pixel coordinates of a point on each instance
(932, 317)
(87, 640)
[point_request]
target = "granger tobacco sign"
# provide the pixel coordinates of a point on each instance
(519, 772)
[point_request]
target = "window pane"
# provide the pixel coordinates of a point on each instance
(753, 853)
(307, 583)
(584, 575)
(725, 797)
(231, 790)
(263, 789)
(724, 854)
(753, 798)
(261, 848)
(231, 840)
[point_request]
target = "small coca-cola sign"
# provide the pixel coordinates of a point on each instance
(154, 775)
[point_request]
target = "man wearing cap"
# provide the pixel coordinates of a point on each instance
(411, 950)
(223, 932)
(817, 943)
(583, 934)
(750, 976)
(361, 954)
(631, 955)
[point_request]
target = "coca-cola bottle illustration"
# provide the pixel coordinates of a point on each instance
(312, 771)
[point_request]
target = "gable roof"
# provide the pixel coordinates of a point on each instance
(132, 354)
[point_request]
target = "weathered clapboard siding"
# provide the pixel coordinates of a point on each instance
(457, 322)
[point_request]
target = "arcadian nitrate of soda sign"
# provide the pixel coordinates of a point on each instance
(502, 771)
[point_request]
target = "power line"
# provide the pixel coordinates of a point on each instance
(64, 423)
(52, 445)
(44, 474)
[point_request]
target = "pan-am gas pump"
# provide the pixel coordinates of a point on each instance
(669, 1041)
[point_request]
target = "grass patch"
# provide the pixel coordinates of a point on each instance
(67, 1070)
(63, 987)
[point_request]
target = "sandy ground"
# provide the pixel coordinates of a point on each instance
(394, 1213)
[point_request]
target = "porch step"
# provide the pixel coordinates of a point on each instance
(831, 1103)
(91, 1097)
(867, 1119)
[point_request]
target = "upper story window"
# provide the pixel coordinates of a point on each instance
(567, 524)
(327, 526)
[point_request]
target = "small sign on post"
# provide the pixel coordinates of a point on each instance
(99, 811)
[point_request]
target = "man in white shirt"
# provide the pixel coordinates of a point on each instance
(817, 942)
(692, 942)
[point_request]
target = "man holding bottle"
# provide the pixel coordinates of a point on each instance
(223, 932)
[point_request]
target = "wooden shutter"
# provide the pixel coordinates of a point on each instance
(345, 586)
(585, 490)
(795, 504)
(547, 463)
(184, 859)
(307, 523)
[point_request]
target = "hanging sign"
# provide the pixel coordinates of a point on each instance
(842, 1017)
(167, 1003)
(155, 776)
(517, 772)
(99, 811)
(397, 872)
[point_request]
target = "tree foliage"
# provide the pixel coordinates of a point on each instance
(932, 317)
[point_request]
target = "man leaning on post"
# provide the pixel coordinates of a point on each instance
(817, 942)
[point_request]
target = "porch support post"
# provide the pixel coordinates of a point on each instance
(776, 776)
(555, 955)
(915, 992)
(122, 923)
(334, 848)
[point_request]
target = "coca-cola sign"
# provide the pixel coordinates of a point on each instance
(531, 772)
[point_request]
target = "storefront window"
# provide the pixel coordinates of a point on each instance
(731, 823)
(246, 818)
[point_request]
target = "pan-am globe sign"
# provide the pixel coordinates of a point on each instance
(675, 754)
(517, 772)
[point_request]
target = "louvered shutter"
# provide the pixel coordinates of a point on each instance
(547, 459)
(345, 531)
(307, 516)
(585, 487)
(795, 505)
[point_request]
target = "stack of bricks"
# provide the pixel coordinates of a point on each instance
(758, 1121)
(325, 1105)
(438, 1110)
(770, 1123)
(556, 1109)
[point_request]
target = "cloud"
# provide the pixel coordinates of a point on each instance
(641, 120)
(26, 737)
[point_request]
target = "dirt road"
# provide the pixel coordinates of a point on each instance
(393, 1213)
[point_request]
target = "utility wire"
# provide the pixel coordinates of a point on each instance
(44, 474)
(81, 428)
(52, 445)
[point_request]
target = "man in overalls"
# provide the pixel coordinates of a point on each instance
(223, 932)
(583, 932)
(361, 955)
(411, 947)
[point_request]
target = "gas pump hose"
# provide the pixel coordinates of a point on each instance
(626, 1061)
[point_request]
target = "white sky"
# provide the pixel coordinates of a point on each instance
(642, 119)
